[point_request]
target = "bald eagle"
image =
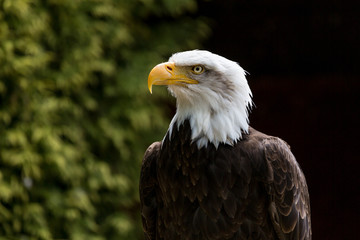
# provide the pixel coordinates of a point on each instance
(213, 176)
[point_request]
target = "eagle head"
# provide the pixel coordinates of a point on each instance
(211, 92)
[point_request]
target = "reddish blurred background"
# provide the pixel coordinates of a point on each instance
(303, 57)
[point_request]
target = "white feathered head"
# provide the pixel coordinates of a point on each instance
(211, 92)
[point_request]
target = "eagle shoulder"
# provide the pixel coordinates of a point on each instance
(289, 205)
(147, 187)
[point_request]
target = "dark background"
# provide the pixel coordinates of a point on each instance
(303, 59)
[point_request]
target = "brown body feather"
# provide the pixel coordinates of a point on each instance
(252, 190)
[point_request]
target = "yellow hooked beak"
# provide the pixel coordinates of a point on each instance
(168, 74)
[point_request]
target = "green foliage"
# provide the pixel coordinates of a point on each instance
(75, 112)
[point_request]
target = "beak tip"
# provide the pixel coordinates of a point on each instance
(150, 89)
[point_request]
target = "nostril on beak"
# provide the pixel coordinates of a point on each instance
(169, 68)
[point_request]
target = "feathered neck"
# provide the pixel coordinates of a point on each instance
(213, 118)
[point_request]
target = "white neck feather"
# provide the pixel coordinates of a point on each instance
(213, 118)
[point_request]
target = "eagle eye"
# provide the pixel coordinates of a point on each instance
(197, 69)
